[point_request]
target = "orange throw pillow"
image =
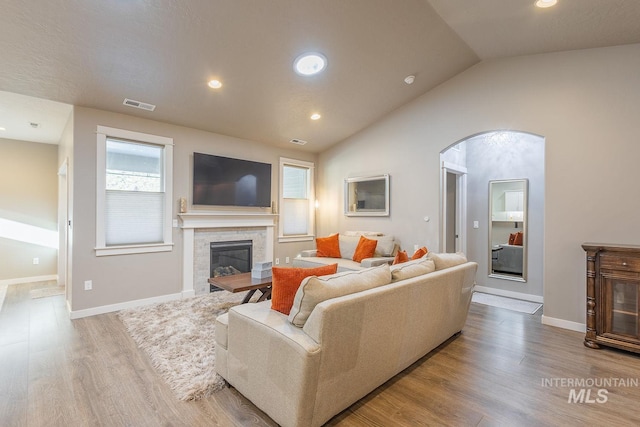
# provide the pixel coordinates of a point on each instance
(286, 281)
(401, 257)
(328, 246)
(512, 238)
(519, 238)
(420, 253)
(365, 249)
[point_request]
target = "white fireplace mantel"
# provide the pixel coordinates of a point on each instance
(200, 220)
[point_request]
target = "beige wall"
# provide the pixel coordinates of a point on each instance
(118, 279)
(584, 103)
(28, 194)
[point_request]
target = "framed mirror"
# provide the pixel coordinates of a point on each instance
(508, 201)
(367, 196)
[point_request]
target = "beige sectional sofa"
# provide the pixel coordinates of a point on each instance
(386, 250)
(346, 334)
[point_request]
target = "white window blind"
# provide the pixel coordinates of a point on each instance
(133, 218)
(295, 209)
(296, 189)
(134, 208)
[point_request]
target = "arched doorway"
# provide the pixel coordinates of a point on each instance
(480, 159)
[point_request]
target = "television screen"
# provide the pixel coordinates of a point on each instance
(224, 181)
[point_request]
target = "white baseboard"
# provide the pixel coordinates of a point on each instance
(77, 314)
(509, 294)
(29, 280)
(564, 324)
(189, 294)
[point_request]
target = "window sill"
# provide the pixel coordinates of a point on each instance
(134, 249)
(286, 239)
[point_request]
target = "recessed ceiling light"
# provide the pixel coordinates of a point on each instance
(315, 116)
(409, 79)
(309, 64)
(297, 141)
(215, 84)
(546, 3)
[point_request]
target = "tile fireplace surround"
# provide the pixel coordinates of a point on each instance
(199, 229)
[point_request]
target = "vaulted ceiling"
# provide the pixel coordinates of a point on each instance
(163, 52)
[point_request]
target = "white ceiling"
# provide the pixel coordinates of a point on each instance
(163, 52)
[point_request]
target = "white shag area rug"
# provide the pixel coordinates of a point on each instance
(179, 338)
(504, 302)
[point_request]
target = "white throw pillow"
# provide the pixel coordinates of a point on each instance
(385, 245)
(348, 245)
(314, 290)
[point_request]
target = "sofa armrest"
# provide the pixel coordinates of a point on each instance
(308, 253)
(374, 262)
(272, 363)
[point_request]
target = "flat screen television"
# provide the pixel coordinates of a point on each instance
(224, 181)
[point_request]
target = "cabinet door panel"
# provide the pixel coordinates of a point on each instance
(621, 297)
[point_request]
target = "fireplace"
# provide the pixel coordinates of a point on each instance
(228, 258)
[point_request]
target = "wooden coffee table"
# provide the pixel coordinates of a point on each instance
(244, 282)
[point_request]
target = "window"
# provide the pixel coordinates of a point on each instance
(297, 214)
(134, 194)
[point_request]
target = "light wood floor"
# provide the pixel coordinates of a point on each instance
(88, 372)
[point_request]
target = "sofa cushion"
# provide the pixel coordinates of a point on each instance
(343, 264)
(413, 268)
(314, 290)
(366, 249)
(328, 246)
(286, 281)
(444, 260)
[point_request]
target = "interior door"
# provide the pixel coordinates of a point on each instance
(454, 209)
(451, 213)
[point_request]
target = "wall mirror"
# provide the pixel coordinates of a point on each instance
(508, 229)
(366, 196)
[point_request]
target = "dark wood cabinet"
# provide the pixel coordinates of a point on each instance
(613, 296)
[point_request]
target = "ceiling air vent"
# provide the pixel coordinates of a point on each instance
(298, 141)
(138, 104)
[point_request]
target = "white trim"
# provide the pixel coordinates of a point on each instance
(305, 238)
(453, 168)
(134, 136)
(564, 324)
(226, 220)
(134, 249)
(101, 248)
(509, 294)
(21, 280)
(77, 314)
